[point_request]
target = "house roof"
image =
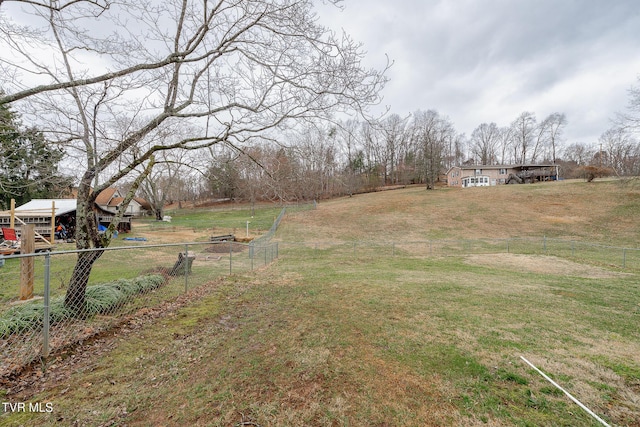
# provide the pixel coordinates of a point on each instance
(518, 166)
(143, 202)
(105, 196)
(115, 202)
(42, 207)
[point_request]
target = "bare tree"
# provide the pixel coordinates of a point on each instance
(157, 187)
(555, 125)
(485, 139)
(351, 149)
(540, 139)
(630, 119)
(316, 155)
(629, 123)
(432, 133)
(394, 136)
(60, 5)
(373, 155)
(619, 152)
(222, 176)
(578, 152)
(454, 151)
(546, 135)
(505, 140)
(523, 135)
(232, 69)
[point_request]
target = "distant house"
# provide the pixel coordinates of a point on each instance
(40, 212)
(145, 206)
(109, 201)
(489, 175)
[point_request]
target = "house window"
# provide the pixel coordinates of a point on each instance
(503, 171)
(478, 171)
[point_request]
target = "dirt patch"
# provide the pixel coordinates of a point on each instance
(225, 248)
(541, 265)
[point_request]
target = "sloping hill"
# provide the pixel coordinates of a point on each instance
(605, 212)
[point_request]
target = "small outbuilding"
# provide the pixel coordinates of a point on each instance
(47, 214)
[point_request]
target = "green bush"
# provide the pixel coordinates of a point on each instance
(5, 327)
(139, 285)
(100, 299)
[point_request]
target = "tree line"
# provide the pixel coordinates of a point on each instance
(350, 157)
(322, 160)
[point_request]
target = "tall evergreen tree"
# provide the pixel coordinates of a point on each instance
(28, 164)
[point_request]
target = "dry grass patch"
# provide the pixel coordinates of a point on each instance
(541, 265)
(607, 211)
(170, 234)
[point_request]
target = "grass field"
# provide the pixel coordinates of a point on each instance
(329, 335)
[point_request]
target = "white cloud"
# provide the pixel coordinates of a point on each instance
(488, 61)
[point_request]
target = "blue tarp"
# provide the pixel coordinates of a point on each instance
(102, 229)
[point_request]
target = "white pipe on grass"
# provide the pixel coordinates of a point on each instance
(576, 401)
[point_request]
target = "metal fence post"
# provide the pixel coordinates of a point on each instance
(393, 248)
(230, 258)
(186, 268)
(508, 246)
(45, 319)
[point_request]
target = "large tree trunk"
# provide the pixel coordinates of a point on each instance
(75, 298)
(87, 237)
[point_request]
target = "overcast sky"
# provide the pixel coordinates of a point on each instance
(483, 61)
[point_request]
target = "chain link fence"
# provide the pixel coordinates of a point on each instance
(78, 294)
(74, 295)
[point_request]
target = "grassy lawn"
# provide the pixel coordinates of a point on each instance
(217, 220)
(376, 336)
